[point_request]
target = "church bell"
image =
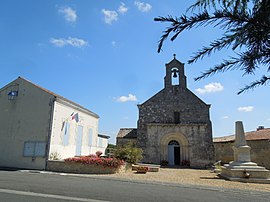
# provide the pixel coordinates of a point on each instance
(174, 74)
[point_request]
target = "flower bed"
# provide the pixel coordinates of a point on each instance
(142, 169)
(87, 165)
(97, 161)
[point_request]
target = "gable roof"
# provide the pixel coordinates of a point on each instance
(127, 133)
(175, 61)
(161, 95)
(262, 134)
(61, 98)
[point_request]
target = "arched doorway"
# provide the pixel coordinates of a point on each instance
(174, 148)
(174, 153)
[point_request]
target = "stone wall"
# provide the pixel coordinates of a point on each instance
(194, 123)
(260, 150)
(161, 107)
(123, 141)
(195, 143)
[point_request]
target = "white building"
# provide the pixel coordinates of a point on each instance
(37, 125)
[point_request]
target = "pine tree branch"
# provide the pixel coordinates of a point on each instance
(224, 66)
(178, 25)
(214, 46)
(235, 5)
(263, 81)
(245, 29)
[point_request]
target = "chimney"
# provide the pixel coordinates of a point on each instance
(260, 128)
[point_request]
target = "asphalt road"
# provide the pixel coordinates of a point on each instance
(41, 187)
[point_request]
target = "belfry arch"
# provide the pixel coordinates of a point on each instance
(175, 76)
(175, 70)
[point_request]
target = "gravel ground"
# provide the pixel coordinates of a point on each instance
(190, 177)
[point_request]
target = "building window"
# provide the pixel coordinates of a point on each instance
(34, 149)
(176, 117)
(66, 134)
(12, 95)
(90, 137)
(100, 143)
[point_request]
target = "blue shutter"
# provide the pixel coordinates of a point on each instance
(90, 137)
(79, 141)
(100, 142)
(66, 134)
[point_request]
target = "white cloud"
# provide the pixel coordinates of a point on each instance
(142, 6)
(58, 42)
(210, 88)
(122, 8)
(75, 42)
(69, 14)
(114, 43)
(225, 117)
(128, 98)
(109, 16)
(246, 109)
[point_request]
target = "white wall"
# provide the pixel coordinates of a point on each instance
(24, 119)
(63, 148)
(27, 119)
(102, 144)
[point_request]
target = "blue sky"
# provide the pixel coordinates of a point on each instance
(103, 55)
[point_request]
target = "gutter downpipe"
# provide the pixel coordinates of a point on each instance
(51, 103)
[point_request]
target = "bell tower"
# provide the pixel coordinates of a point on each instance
(175, 75)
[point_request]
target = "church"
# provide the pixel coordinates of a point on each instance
(174, 125)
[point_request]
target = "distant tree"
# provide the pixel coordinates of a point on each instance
(129, 153)
(110, 149)
(246, 25)
(111, 146)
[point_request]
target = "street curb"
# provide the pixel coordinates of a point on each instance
(135, 181)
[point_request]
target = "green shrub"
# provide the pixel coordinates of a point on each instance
(129, 153)
(110, 150)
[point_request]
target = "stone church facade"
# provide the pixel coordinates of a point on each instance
(173, 125)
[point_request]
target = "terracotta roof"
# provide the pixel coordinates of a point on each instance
(262, 134)
(127, 133)
(61, 97)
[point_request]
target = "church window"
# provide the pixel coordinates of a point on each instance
(176, 117)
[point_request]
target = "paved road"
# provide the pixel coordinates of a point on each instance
(32, 187)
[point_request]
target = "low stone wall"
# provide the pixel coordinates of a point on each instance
(260, 150)
(72, 167)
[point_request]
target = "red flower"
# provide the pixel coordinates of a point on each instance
(95, 160)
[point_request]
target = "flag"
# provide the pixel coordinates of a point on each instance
(76, 117)
(63, 125)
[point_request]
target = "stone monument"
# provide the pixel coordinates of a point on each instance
(242, 169)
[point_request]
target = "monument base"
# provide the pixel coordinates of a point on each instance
(245, 172)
